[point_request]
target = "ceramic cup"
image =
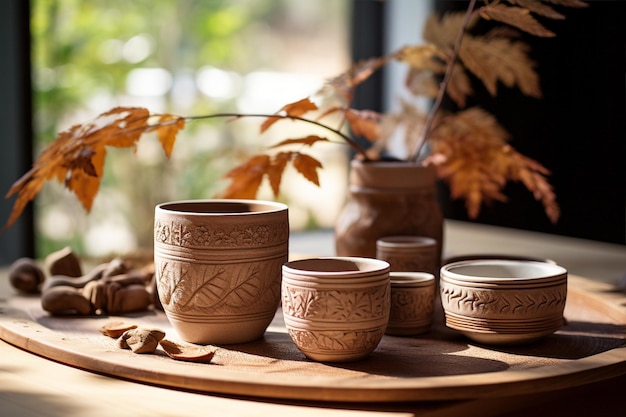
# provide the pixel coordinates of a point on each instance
(218, 267)
(503, 301)
(412, 303)
(336, 309)
(409, 253)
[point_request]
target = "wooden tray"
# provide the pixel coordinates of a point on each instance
(440, 365)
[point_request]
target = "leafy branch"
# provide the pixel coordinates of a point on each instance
(468, 147)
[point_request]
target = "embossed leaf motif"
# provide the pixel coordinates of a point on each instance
(248, 288)
(214, 287)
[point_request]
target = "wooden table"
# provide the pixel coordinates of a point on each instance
(31, 385)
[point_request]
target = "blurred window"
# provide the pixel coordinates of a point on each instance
(188, 58)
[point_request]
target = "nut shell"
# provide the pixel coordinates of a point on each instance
(26, 276)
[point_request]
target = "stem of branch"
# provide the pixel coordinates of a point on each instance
(442, 86)
(343, 136)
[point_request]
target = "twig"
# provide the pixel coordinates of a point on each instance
(343, 136)
(443, 85)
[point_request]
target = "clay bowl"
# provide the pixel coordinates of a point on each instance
(218, 267)
(336, 309)
(503, 301)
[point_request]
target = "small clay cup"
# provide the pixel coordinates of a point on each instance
(336, 309)
(412, 303)
(218, 267)
(409, 253)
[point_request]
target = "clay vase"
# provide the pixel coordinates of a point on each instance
(388, 199)
(218, 267)
(336, 309)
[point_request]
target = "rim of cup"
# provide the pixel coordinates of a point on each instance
(503, 272)
(230, 207)
(400, 279)
(344, 268)
(405, 241)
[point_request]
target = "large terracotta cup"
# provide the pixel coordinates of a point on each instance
(218, 267)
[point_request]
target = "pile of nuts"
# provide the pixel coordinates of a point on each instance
(115, 287)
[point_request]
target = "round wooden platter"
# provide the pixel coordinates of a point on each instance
(439, 365)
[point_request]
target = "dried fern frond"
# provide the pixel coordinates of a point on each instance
(471, 152)
(495, 60)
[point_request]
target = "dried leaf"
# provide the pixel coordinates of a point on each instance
(276, 170)
(307, 166)
(365, 123)
(539, 8)
(167, 128)
(518, 17)
(500, 59)
(422, 83)
(408, 121)
(345, 83)
(269, 122)
(423, 58)
(306, 141)
(295, 109)
(443, 30)
(472, 155)
(76, 158)
(459, 87)
(299, 108)
(189, 353)
(247, 177)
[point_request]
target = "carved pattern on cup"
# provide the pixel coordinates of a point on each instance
(336, 305)
(336, 341)
(411, 305)
(210, 289)
(242, 235)
(416, 262)
(480, 302)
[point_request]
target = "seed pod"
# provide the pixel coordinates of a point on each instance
(63, 262)
(64, 300)
(76, 282)
(26, 276)
(130, 299)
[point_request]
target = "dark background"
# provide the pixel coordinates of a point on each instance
(576, 130)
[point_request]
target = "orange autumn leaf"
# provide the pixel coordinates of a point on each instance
(295, 109)
(518, 17)
(247, 177)
(76, 158)
(276, 169)
(345, 83)
(307, 141)
(307, 166)
(364, 123)
(167, 128)
(471, 154)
